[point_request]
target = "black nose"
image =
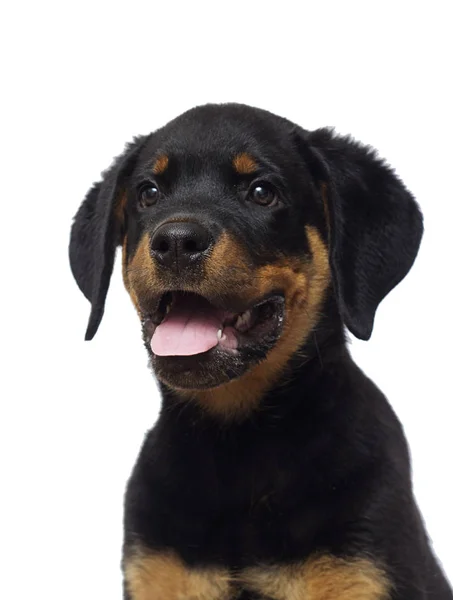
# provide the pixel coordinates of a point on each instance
(179, 244)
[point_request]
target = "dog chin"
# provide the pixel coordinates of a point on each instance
(210, 369)
(202, 371)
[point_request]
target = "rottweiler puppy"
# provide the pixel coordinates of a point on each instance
(276, 470)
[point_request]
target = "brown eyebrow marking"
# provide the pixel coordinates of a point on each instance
(160, 164)
(244, 164)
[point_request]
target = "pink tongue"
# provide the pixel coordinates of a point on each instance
(189, 328)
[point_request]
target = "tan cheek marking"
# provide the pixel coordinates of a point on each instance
(119, 211)
(160, 165)
(304, 285)
(165, 577)
(139, 274)
(320, 578)
(226, 266)
(244, 164)
(320, 271)
(126, 281)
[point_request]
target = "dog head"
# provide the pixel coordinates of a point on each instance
(237, 227)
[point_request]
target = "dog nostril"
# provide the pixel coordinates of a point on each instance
(191, 246)
(162, 246)
(180, 243)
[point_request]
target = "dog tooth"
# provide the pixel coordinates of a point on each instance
(220, 334)
(243, 320)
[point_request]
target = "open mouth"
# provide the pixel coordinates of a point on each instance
(188, 324)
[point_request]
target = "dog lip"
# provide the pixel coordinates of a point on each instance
(221, 364)
(276, 302)
(232, 305)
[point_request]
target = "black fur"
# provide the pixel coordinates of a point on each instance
(95, 236)
(375, 227)
(322, 464)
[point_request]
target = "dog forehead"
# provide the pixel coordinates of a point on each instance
(220, 132)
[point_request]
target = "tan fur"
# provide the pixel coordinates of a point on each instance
(152, 576)
(160, 165)
(226, 264)
(126, 280)
(304, 284)
(120, 210)
(244, 164)
(164, 576)
(320, 578)
(139, 273)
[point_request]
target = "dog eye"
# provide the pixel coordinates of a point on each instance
(263, 194)
(148, 195)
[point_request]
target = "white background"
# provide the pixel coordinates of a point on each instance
(79, 80)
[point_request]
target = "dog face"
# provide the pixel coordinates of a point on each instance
(237, 227)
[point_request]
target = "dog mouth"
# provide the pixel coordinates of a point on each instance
(187, 324)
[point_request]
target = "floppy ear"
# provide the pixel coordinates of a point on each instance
(97, 230)
(375, 226)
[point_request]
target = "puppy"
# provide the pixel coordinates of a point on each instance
(276, 470)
